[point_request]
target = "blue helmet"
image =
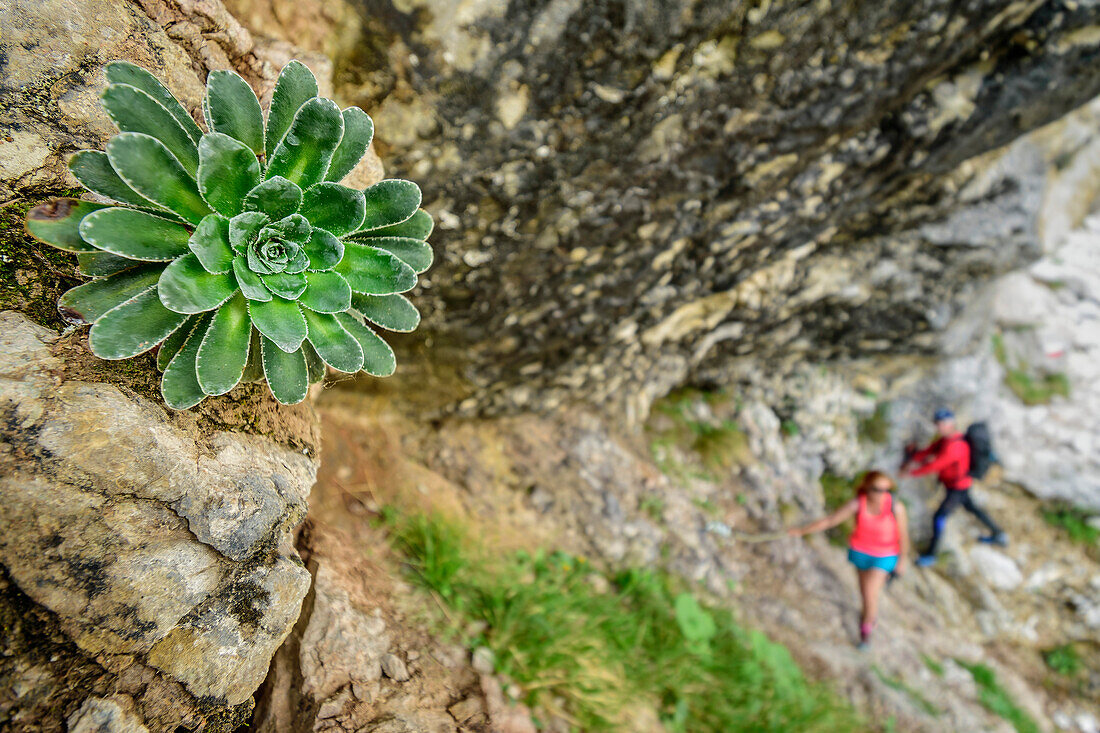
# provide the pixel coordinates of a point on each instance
(943, 414)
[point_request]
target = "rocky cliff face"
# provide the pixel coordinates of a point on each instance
(631, 194)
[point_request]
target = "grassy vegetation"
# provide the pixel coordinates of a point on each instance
(1074, 521)
(591, 651)
(717, 444)
(996, 699)
(1029, 387)
(1064, 660)
(837, 490)
(653, 506)
(935, 667)
(896, 684)
(875, 428)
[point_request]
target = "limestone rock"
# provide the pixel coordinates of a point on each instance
(394, 668)
(98, 715)
(996, 568)
(53, 54)
(125, 525)
(656, 191)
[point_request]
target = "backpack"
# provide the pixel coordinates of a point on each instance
(982, 456)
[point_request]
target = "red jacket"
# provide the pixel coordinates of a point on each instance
(951, 462)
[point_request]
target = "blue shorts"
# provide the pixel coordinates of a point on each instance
(863, 561)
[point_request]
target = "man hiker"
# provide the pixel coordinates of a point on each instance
(950, 459)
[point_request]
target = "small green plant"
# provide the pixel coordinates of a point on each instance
(1074, 521)
(875, 428)
(896, 684)
(1063, 659)
(235, 250)
(1036, 390)
(934, 666)
(653, 506)
(1029, 388)
(789, 428)
(695, 623)
(996, 699)
(836, 491)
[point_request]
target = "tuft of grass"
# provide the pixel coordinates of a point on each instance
(720, 446)
(676, 429)
(1036, 390)
(1029, 388)
(996, 699)
(789, 428)
(1074, 521)
(653, 506)
(933, 665)
(1063, 660)
(895, 683)
(592, 652)
(837, 490)
(876, 427)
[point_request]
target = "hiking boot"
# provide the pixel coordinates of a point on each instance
(998, 538)
(925, 561)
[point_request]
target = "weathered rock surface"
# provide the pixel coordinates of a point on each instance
(160, 551)
(631, 195)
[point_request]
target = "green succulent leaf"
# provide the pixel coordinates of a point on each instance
(254, 370)
(101, 264)
(251, 284)
(285, 285)
(280, 320)
(294, 228)
(335, 208)
(245, 228)
(228, 171)
(298, 264)
(150, 169)
(374, 271)
(416, 253)
(323, 250)
(123, 72)
(132, 110)
(358, 132)
(224, 351)
(296, 86)
(186, 287)
(234, 109)
(389, 202)
(277, 197)
(180, 382)
(378, 358)
(171, 345)
(417, 226)
(210, 243)
(135, 234)
(315, 366)
(286, 372)
(57, 223)
(94, 171)
(327, 292)
(305, 151)
(391, 312)
(133, 327)
(86, 303)
(338, 348)
(206, 113)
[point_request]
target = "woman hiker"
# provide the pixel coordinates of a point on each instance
(879, 545)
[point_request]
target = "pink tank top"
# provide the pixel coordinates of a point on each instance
(876, 534)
